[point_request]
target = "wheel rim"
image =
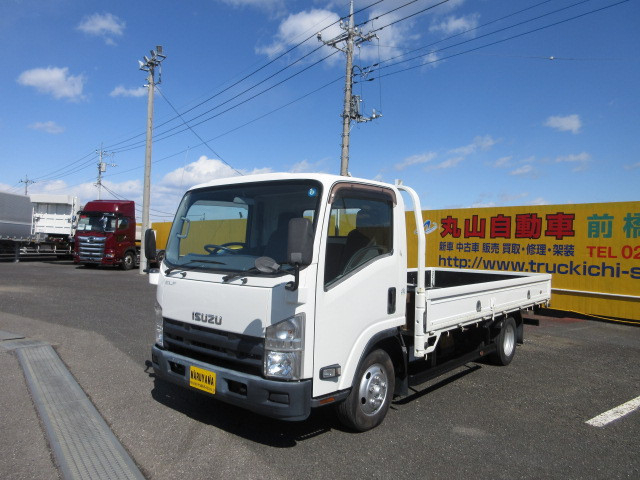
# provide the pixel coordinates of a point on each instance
(373, 389)
(128, 260)
(509, 343)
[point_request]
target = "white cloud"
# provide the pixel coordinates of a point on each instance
(431, 59)
(121, 91)
(524, 170)
(5, 187)
(392, 38)
(48, 127)
(262, 4)
(449, 163)
(452, 25)
(450, 5)
(202, 170)
(415, 160)
(55, 81)
(569, 123)
(106, 25)
(479, 143)
(483, 205)
(632, 167)
(502, 162)
(129, 189)
(581, 160)
(512, 197)
(298, 26)
(305, 166)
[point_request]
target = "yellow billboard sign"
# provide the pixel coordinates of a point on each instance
(591, 250)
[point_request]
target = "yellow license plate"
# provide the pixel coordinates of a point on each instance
(202, 379)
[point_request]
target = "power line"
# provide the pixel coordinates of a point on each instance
(406, 17)
(493, 43)
(275, 59)
(27, 182)
(198, 136)
(176, 130)
(52, 175)
(249, 75)
(308, 94)
(138, 209)
(69, 169)
(479, 37)
(464, 32)
(167, 134)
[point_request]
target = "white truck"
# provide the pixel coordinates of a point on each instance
(280, 293)
(39, 224)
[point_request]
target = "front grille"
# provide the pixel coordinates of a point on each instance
(216, 347)
(91, 248)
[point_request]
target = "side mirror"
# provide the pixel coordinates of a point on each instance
(150, 244)
(300, 242)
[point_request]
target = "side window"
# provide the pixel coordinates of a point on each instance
(123, 223)
(360, 230)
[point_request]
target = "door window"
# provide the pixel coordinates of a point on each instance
(360, 230)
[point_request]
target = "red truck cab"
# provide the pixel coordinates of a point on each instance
(106, 234)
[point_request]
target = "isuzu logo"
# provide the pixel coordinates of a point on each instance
(206, 318)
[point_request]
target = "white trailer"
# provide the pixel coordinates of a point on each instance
(285, 292)
(53, 215)
(40, 224)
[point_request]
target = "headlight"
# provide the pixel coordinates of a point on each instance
(159, 325)
(284, 343)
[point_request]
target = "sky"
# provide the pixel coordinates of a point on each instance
(478, 102)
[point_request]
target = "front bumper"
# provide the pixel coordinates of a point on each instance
(282, 400)
(96, 261)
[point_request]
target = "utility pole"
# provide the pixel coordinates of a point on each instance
(27, 182)
(102, 167)
(352, 37)
(149, 65)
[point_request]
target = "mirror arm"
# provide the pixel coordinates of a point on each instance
(293, 286)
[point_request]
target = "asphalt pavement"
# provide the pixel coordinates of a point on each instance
(527, 420)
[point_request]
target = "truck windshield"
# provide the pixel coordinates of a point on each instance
(96, 222)
(226, 228)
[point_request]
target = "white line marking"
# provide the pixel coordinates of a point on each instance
(615, 413)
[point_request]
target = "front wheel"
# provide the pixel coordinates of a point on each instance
(505, 343)
(128, 261)
(370, 397)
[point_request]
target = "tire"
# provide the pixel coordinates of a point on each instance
(128, 261)
(506, 343)
(371, 393)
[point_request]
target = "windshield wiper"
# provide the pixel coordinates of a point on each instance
(184, 267)
(265, 265)
(233, 276)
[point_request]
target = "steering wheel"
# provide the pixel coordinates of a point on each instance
(212, 248)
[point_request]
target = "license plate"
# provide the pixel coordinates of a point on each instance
(202, 379)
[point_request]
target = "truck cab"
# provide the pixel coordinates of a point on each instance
(106, 234)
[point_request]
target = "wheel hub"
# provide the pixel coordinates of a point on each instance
(373, 389)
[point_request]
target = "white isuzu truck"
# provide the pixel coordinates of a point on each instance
(280, 293)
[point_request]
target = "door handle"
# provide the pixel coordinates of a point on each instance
(391, 300)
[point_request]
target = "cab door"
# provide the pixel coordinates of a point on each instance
(360, 280)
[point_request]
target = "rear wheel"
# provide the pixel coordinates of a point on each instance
(505, 343)
(370, 397)
(128, 261)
